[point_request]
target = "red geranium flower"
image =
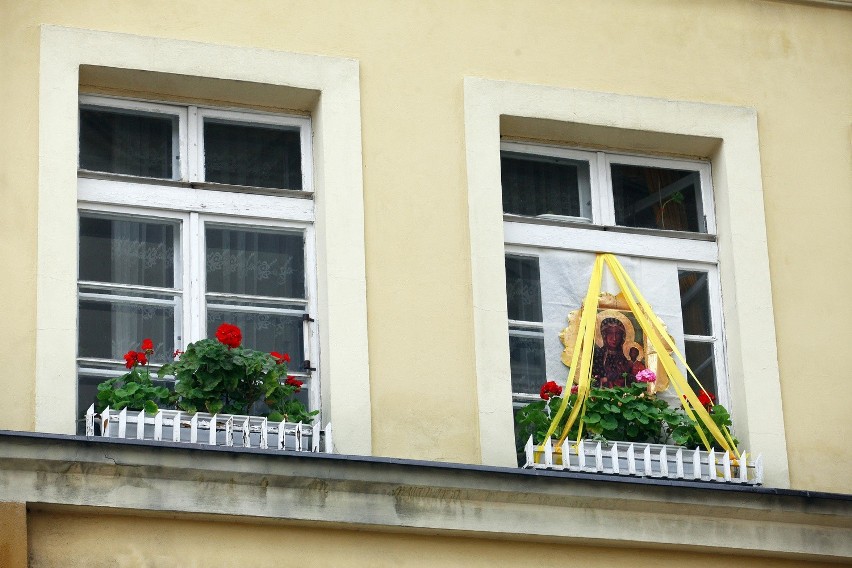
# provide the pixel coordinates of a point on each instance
(574, 389)
(550, 388)
(142, 358)
(130, 359)
(294, 382)
(229, 335)
(147, 345)
(705, 398)
(279, 358)
(177, 353)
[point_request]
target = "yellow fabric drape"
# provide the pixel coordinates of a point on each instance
(655, 331)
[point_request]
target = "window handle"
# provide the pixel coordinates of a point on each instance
(307, 318)
(306, 365)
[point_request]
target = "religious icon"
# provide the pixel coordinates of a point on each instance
(621, 348)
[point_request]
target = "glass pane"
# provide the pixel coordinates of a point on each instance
(121, 251)
(263, 331)
(124, 142)
(523, 288)
(657, 198)
(695, 303)
(110, 328)
(699, 357)
(255, 263)
(538, 185)
(526, 355)
(252, 155)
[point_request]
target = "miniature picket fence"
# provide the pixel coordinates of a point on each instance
(646, 460)
(229, 430)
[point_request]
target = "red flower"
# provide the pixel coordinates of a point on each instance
(294, 382)
(141, 357)
(130, 359)
(178, 353)
(229, 335)
(705, 398)
(147, 345)
(550, 388)
(279, 358)
(574, 389)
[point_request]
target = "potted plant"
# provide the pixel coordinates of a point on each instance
(631, 413)
(248, 390)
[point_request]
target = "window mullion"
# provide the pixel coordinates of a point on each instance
(193, 153)
(195, 268)
(605, 200)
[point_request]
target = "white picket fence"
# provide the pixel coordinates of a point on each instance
(646, 460)
(209, 429)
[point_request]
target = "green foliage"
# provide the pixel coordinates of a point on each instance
(625, 414)
(133, 390)
(212, 377)
(686, 434)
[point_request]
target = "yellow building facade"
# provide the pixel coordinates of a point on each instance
(410, 105)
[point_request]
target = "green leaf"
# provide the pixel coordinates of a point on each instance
(592, 418)
(609, 423)
(151, 407)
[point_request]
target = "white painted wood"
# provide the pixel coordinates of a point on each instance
(631, 460)
(229, 431)
(664, 462)
(90, 421)
(743, 468)
(679, 464)
(598, 458)
(213, 426)
(140, 425)
(616, 467)
(646, 457)
(711, 464)
(193, 429)
(548, 453)
(146, 196)
(329, 442)
(539, 236)
(158, 426)
(726, 466)
(176, 426)
(696, 464)
(758, 469)
(281, 430)
(581, 455)
(122, 423)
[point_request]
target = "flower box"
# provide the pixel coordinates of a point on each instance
(645, 460)
(228, 430)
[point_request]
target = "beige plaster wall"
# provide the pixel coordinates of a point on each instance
(57, 539)
(791, 62)
(13, 535)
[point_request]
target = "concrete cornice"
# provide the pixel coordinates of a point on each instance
(385, 494)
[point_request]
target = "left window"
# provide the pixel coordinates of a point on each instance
(190, 217)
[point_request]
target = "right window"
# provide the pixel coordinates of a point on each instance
(561, 206)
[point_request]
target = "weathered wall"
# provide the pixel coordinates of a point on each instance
(57, 539)
(790, 62)
(13, 535)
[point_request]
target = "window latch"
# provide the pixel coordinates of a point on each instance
(307, 318)
(306, 365)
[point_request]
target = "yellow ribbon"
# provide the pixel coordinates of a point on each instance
(655, 331)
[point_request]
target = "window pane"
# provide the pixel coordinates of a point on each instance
(252, 155)
(255, 263)
(109, 328)
(120, 251)
(526, 355)
(263, 331)
(695, 303)
(123, 142)
(699, 357)
(523, 289)
(657, 198)
(538, 185)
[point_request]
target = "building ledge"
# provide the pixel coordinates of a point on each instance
(386, 494)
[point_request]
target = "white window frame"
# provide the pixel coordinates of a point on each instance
(527, 236)
(725, 135)
(193, 207)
